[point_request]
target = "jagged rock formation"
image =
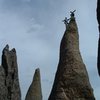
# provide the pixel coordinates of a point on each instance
(98, 19)
(35, 91)
(71, 80)
(9, 82)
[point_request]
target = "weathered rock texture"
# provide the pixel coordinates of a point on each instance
(98, 19)
(71, 80)
(9, 82)
(35, 91)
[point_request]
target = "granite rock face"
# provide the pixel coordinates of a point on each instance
(98, 19)
(71, 80)
(9, 82)
(35, 91)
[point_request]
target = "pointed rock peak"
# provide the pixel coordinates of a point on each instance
(6, 48)
(36, 75)
(35, 91)
(37, 70)
(71, 80)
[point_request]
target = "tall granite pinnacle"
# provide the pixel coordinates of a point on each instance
(9, 76)
(71, 80)
(35, 91)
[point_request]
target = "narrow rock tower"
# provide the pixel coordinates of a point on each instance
(71, 80)
(35, 91)
(9, 82)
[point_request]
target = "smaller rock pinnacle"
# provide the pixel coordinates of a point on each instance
(35, 91)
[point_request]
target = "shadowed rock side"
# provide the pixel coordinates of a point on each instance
(98, 57)
(9, 82)
(71, 80)
(35, 92)
(98, 19)
(98, 12)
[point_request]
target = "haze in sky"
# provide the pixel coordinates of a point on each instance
(35, 29)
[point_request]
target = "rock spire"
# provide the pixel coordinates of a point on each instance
(9, 82)
(35, 91)
(71, 80)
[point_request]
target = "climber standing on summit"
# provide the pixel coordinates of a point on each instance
(72, 15)
(65, 21)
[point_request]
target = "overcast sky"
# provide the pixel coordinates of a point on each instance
(35, 29)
